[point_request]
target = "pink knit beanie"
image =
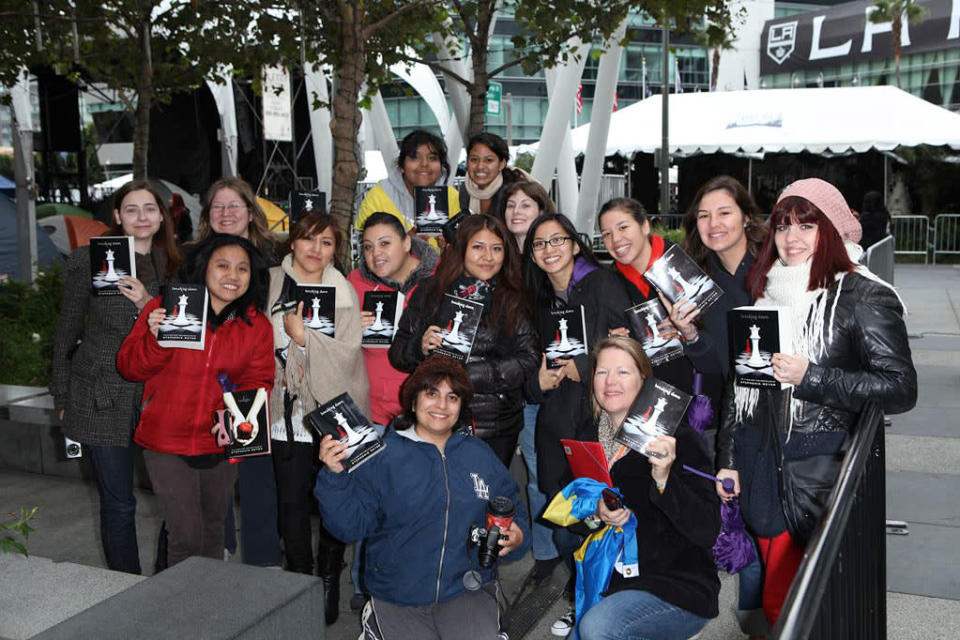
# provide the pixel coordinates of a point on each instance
(830, 201)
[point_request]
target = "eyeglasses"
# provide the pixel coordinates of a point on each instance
(233, 207)
(557, 241)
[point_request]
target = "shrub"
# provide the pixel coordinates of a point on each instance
(28, 320)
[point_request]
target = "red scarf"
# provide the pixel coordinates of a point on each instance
(636, 277)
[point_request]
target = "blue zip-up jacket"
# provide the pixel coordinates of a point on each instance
(415, 507)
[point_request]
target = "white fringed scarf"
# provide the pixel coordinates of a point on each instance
(787, 287)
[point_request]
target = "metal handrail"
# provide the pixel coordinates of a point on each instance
(803, 603)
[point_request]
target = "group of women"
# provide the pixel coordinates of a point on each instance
(410, 508)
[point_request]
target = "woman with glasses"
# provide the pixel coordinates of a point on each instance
(625, 230)
(481, 265)
(98, 407)
(561, 273)
(231, 207)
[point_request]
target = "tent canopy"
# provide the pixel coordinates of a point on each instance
(834, 120)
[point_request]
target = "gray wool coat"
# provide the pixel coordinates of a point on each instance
(100, 406)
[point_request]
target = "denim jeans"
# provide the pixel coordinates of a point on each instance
(542, 541)
(638, 615)
(113, 468)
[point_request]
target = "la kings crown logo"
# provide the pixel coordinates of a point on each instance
(781, 40)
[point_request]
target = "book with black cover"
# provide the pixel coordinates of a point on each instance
(342, 419)
(458, 320)
(755, 334)
(185, 326)
(657, 411)
(246, 421)
(306, 201)
(111, 259)
(677, 276)
(645, 320)
(563, 334)
(432, 209)
(319, 307)
(386, 307)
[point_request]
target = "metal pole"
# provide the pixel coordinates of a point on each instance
(664, 120)
(508, 111)
(750, 176)
(23, 173)
(886, 178)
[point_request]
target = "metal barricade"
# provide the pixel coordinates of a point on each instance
(879, 259)
(911, 236)
(946, 235)
(668, 221)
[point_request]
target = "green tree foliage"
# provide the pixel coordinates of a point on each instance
(12, 532)
(28, 320)
(719, 33)
(895, 12)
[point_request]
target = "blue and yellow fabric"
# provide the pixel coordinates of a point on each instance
(604, 550)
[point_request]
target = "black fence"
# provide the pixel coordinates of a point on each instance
(840, 589)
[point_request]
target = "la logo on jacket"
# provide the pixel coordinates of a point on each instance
(480, 487)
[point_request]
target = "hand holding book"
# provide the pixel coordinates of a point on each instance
(332, 452)
(789, 369)
(293, 325)
(661, 453)
(134, 291)
(155, 319)
(682, 314)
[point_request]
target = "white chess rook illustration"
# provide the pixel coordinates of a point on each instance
(454, 336)
(111, 275)
(314, 322)
(756, 360)
(688, 289)
(378, 323)
(181, 319)
(564, 343)
(352, 436)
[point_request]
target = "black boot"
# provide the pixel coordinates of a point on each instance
(329, 565)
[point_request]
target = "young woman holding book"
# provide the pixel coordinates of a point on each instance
(482, 266)
(422, 162)
(850, 346)
(625, 230)
(230, 207)
(675, 589)
(182, 391)
(523, 202)
(392, 261)
(312, 368)
(97, 407)
(487, 174)
(561, 273)
(416, 503)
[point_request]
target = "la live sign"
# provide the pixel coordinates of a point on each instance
(843, 34)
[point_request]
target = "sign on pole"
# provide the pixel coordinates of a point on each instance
(494, 98)
(276, 105)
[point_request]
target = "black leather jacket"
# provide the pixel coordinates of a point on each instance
(868, 359)
(498, 365)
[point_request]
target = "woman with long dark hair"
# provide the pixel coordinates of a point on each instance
(482, 265)
(482, 190)
(98, 408)
(182, 392)
(850, 347)
(312, 368)
(523, 202)
(422, 162)
(625, 230)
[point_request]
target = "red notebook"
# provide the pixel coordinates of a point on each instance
(587, 460)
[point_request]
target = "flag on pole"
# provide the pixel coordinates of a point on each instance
(615, 96)
(677, 82)
(579, 99)
(644, 90)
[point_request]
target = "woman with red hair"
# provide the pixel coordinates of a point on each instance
(850, 346)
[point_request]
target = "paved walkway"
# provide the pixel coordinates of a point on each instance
(923, 479)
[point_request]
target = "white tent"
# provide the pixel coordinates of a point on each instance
(835, 120)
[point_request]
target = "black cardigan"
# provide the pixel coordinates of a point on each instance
(676, 530)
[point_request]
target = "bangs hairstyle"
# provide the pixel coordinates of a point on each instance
(428, 375)
(534, 191)
(829, 258)
(537, 282)
(258, 230)
(755, 229)
(194, 271)
(509, 301)
(165, 238)
(311, 223)
(629, 346)
(419, 137)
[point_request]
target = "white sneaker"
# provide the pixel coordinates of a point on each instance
(563, 624)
